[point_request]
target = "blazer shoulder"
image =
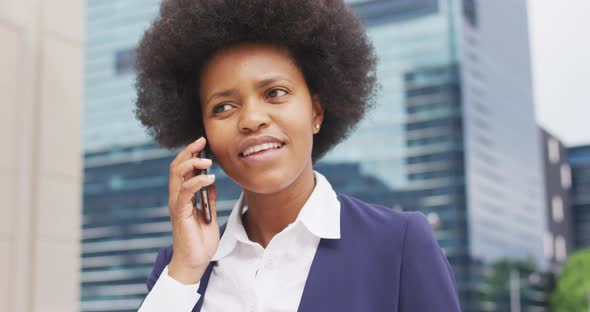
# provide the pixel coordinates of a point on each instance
(378, 217)
(426, 271)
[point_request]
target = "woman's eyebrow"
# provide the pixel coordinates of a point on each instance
(268, 81)
(224, 93)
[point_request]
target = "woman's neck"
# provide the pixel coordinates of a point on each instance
(269, 214)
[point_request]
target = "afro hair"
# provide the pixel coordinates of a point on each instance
(326, 39)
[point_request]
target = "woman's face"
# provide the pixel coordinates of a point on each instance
(259, 116)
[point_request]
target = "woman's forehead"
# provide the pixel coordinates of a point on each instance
(253, 62)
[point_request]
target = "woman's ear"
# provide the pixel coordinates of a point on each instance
(318, 113)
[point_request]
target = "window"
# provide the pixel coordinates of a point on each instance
(553, 150)
(566, 176)
(557, 209)
(380, 11)
(124, 60)
(560, 248)
(470, 12)
(116, 182)
(548, 245)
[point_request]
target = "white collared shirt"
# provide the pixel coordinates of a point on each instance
(248, 277)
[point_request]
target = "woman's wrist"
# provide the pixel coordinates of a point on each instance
(183, 274)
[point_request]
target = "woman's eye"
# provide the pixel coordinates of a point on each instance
(221, 108)
(276, 92)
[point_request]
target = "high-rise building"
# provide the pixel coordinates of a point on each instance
(113, 30)
(453, 135)
(125, 189)
(503, 163)
(579, 159)
(558, 237)
(455, 126)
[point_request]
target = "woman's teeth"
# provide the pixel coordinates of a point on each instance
(258, 148)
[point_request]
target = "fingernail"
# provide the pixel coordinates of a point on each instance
(211, 176)
(207, 161)
(199, 139)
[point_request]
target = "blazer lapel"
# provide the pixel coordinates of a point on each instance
(330, 284)
(203, 286)
(325, 282)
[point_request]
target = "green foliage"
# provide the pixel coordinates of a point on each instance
(573, 287)
(496, 283)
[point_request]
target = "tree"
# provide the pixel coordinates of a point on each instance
(495, 289)
(572, 292)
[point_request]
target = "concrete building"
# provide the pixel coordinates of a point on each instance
(558, 182)
(41, 68)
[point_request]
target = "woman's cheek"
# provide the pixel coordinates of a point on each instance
(219, 149)
(213, 147)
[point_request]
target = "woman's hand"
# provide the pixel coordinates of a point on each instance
(194, 241)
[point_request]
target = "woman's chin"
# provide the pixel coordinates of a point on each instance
(268, 182)
(266, 187)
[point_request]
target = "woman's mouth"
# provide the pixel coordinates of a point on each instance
(260, 149)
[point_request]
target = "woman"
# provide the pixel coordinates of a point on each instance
(274, 85)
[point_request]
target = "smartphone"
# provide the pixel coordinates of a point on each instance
(204, 193)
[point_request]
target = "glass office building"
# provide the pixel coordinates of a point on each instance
(579, 159)
(118, 247)
(452, 135)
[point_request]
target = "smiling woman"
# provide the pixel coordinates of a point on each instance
(274, 85)
(260, 118)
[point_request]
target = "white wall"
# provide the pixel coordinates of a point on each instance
(41, 67)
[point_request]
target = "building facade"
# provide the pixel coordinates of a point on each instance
(503, 163)
(558, 182)
(579, 159)
(452, 135)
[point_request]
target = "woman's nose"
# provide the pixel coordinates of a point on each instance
(253, 117)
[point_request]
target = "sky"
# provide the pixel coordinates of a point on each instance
(560, 53)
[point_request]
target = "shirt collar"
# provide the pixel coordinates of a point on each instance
(320, 215)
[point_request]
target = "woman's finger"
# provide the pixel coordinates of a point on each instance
(175, 180)
(188, 166)
(187, 192)
(188, 152)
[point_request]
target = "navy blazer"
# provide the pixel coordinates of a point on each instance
(385, 260)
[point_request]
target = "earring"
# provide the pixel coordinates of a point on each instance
(317, 126)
